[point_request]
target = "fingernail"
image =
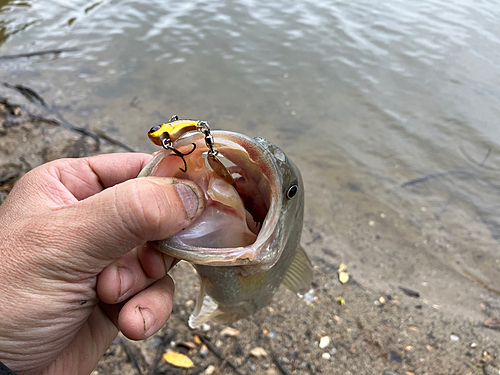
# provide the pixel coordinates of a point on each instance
(147, 318)
(189, 199)
(126, 280)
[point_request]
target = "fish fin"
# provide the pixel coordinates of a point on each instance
(299, 275)
(205, 309)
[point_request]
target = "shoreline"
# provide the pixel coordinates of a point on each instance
(375, 332)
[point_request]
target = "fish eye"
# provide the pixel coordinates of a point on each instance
(154, 128)
(292, 191)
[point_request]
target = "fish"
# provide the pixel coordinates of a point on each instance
(246, 242)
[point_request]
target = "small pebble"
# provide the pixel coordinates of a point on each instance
(252, 367)
(272, 335)
(203, 351)
(309, 296)
(258, 352)
(454, 338)
(473, 345)
(205, 327)
(228, 331)
(382, 300)
(326, 356)
(371, 223)
(390, 372)
(324, 342)
(209, 370)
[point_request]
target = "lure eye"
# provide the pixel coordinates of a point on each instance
(292, 191)
(154, 128)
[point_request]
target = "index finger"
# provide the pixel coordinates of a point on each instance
(63, 182)
(88, 176)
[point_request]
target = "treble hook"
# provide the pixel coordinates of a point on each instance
(167, 145)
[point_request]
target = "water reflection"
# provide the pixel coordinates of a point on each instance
(11, 26)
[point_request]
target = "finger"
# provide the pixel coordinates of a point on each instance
(92, 233)
(148, 311)
(132, 273)
(154, 263)
(62, 182)
(88, 176)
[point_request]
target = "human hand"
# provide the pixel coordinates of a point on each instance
(74, 264)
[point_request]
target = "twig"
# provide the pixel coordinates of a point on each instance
(221, 366)
(279, 365)
(96, 134)
(106, 137)
(434, 175)
(38, 53)
(409, 292)
(131, 356)
(443, 174)
(481, 282)
(159, 352)
(28, 93)
(219, 354)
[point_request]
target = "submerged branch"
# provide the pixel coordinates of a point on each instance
(431, 176)
(38, 53)
(35, 98)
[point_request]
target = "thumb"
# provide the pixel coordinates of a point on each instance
(103, 227)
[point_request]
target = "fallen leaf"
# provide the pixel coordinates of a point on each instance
(341, 301)
(343, 273)
(493, 323)
(178, 359)
(197, 339)
(187, 344)
(258, 352)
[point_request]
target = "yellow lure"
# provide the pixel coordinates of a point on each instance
(171, 130)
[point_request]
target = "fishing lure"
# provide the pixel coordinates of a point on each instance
(167, 133)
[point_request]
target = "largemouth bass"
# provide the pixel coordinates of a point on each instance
(246, 243)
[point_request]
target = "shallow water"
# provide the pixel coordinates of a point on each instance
(363, 96)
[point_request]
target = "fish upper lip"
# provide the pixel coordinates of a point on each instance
(256, 253)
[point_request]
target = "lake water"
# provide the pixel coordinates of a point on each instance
(363, 95)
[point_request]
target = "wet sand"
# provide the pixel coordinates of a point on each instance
(379, 330)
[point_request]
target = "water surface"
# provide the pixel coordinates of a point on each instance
(363, 96)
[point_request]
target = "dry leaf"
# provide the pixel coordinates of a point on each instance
(493, 323)
(187, 344)
(197, 339)
(341, 301)
(178, 359)
(258, 352)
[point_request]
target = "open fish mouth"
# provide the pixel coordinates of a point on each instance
(240, 222)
